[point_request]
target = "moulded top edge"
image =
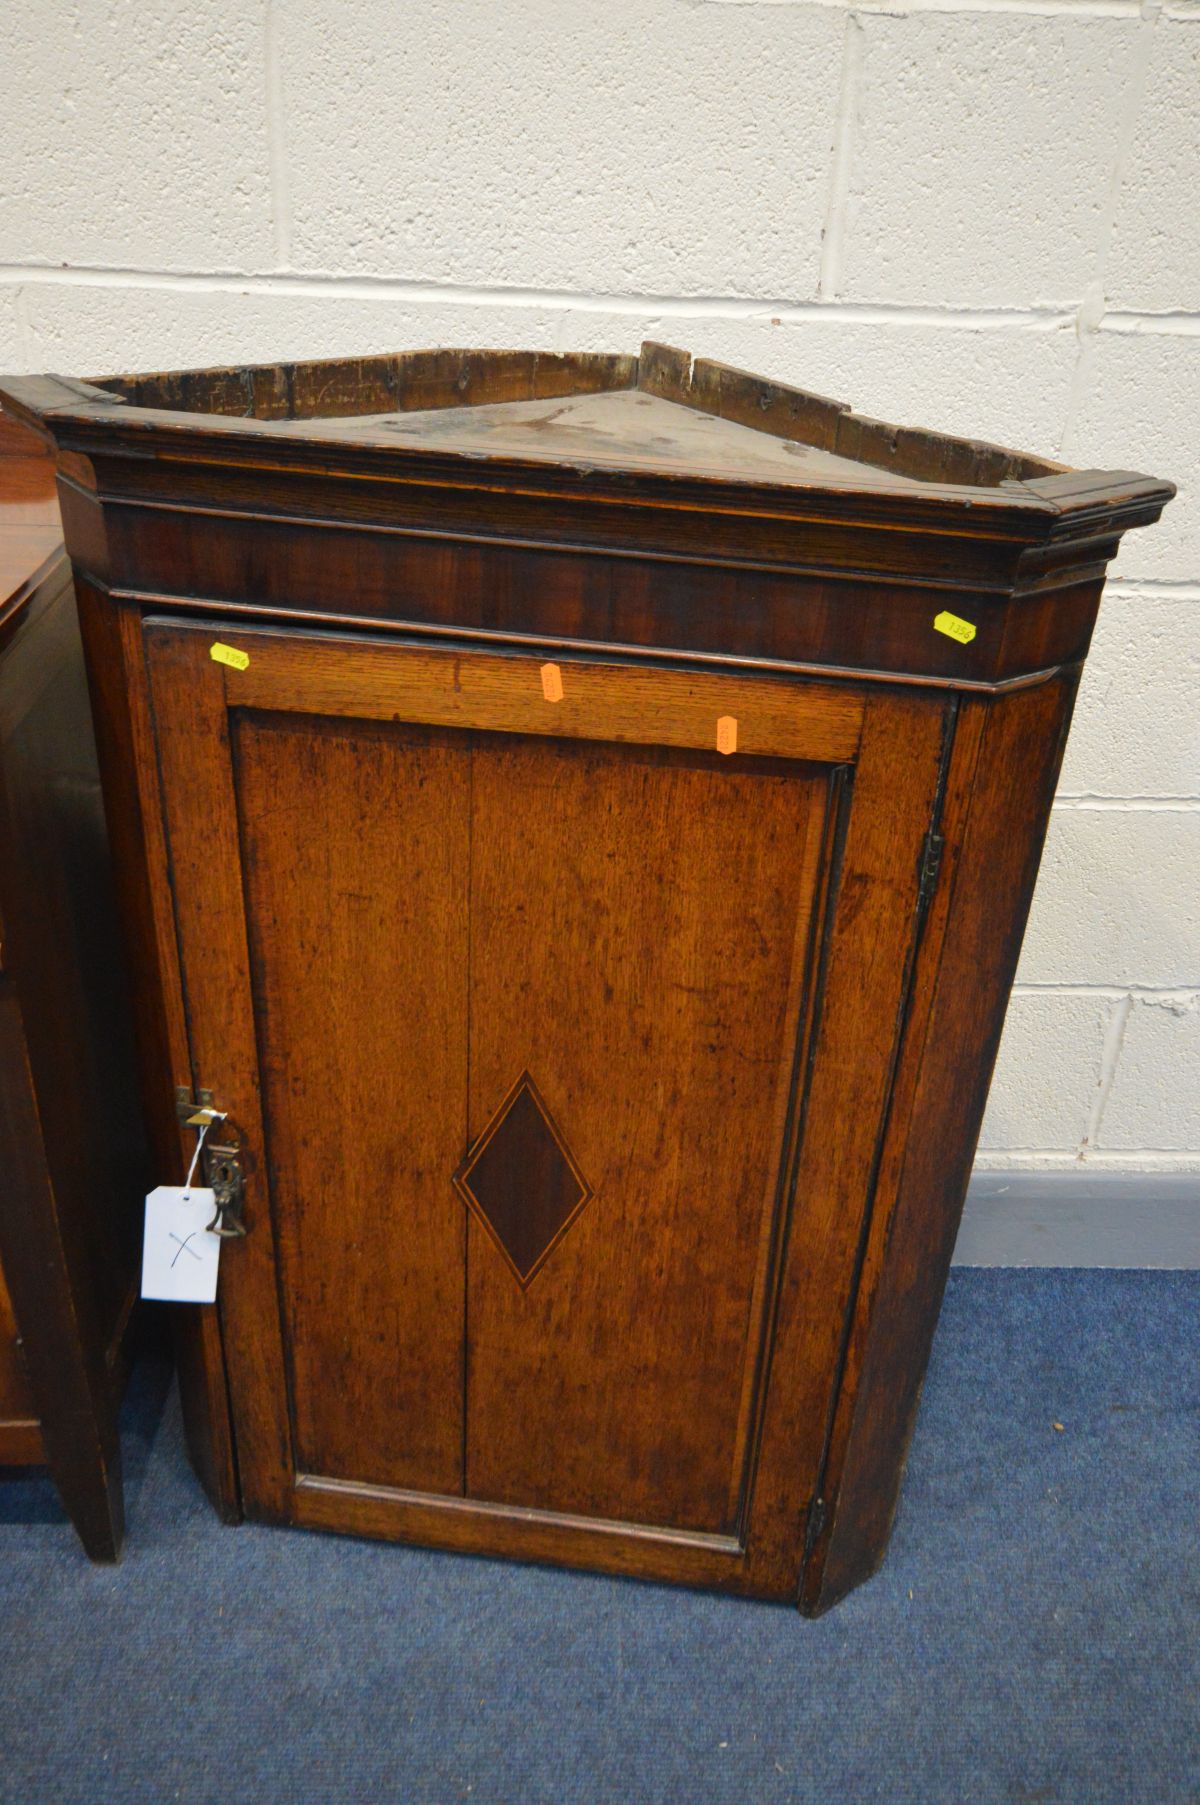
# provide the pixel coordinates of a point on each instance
(659, 415)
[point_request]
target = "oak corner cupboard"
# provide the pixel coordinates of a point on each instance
(577, 816)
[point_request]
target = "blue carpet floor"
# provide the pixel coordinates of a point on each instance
(1032, 1637)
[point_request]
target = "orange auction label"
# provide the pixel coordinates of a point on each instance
(727, 733)
(552, 687)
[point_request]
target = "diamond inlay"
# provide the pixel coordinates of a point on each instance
(521, 1182)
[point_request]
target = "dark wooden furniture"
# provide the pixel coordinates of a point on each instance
(72, 1166)
(577, 815)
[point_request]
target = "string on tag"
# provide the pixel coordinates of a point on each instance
(215, 1116)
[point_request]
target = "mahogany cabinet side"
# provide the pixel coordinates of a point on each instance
(69, 1376)
(71, 1149)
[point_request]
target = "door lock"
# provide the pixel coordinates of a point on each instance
(224, 1178)
(220, 1160)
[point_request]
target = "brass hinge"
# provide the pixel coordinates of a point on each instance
(931, 865)
(193, 1114)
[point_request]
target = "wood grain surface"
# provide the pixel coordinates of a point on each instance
(356, 845)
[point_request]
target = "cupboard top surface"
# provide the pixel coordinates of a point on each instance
(661, 417)
(30, 527)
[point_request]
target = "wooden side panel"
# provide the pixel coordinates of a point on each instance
(365, 385)
(64, 955)
(71, 1148)
(867, 963)
(1001, 782)
(21, 1442)
(355, 854)
(638, 927)
(16, 1399)
(65, 1359)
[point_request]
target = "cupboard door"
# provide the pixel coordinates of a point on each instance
(558, 1044)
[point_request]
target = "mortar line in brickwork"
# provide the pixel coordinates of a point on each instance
(844, 137)
(1087, 803)
(1079, 9)
(368, 287)
(1091, 1157)
(1091, 308)
(996, 1159)
(281, 215)
(1110, 1054)
(24, 330)
(1152, 589)
(1186, 995)
(1058, 1161)
(1177, 323)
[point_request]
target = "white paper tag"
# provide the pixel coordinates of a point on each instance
(179, 1256)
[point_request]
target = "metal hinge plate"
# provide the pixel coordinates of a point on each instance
(817, 1513)
(931, 865)
(193, 1114)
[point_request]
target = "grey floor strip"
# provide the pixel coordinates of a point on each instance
(1131, 1219)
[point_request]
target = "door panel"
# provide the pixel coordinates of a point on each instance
(638, 928)
(355, 853)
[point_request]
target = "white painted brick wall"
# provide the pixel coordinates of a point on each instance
(10, 331)
(633, 146)
(1063, 1032)
(1136, 405)
(1155, 1098)
(1116, 900)
(136, 133)
(1155, 254)
(980, 147)
(1136, 730)
(979, 215)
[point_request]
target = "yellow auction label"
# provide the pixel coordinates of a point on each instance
(952, 625)
(239, 660)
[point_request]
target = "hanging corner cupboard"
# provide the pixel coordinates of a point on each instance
(578, 816)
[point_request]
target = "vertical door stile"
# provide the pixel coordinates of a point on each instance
(867, 951)
(830, 839)
(192, 737)
(920, 913)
